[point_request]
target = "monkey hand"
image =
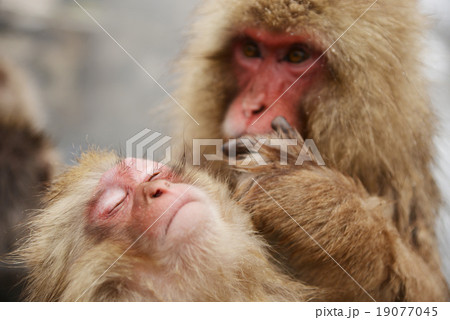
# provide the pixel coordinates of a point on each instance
(284, 147)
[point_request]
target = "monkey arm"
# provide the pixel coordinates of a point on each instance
(328, 229)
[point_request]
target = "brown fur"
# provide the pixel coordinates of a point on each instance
(371, 122)
(356, 229)
(65, 258)
(26, 164)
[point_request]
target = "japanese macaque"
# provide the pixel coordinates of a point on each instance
(26, 164)
(346, 74)
(134, 230)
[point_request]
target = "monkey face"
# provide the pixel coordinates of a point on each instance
(273, 72)
(146, 199)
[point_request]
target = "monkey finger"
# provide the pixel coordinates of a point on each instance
(233, 148)
(280, 123)
(228, 148)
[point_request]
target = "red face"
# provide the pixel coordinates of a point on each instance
(146, 197)
(273, 73)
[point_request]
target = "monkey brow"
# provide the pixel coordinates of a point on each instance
(123, 168)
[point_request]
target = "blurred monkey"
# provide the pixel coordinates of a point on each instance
(26, 164)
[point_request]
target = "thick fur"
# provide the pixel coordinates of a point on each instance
(371, 120)
(26, 164)
(339, 219)
(67, 260)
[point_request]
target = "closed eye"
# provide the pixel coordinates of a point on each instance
(112, 200)
(117, 206)
(151, 177)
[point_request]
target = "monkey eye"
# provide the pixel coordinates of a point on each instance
(112, 200)
(296, 55)
(251, 50)
(151, 177)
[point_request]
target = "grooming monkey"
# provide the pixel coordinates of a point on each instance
(134, 230)
(26, 164)
(358, 92)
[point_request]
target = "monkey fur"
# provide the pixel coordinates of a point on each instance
(358, 228)
(26, 165)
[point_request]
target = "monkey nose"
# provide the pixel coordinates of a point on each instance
(254, 110)
(258, 110)
(155, 189)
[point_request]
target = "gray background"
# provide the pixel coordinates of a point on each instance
(92, 93)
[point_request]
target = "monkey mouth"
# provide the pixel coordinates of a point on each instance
(263, 127)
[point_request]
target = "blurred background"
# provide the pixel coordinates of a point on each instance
(91, 92)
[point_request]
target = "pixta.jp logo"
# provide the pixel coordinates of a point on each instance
(150, 145)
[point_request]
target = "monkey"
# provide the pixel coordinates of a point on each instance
(116, 229)
(346, 74)
(27, 162)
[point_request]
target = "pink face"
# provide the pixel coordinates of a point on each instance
(144, 196)
(266, 66)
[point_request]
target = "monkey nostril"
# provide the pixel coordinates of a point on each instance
(157, 194)
(258, 110)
